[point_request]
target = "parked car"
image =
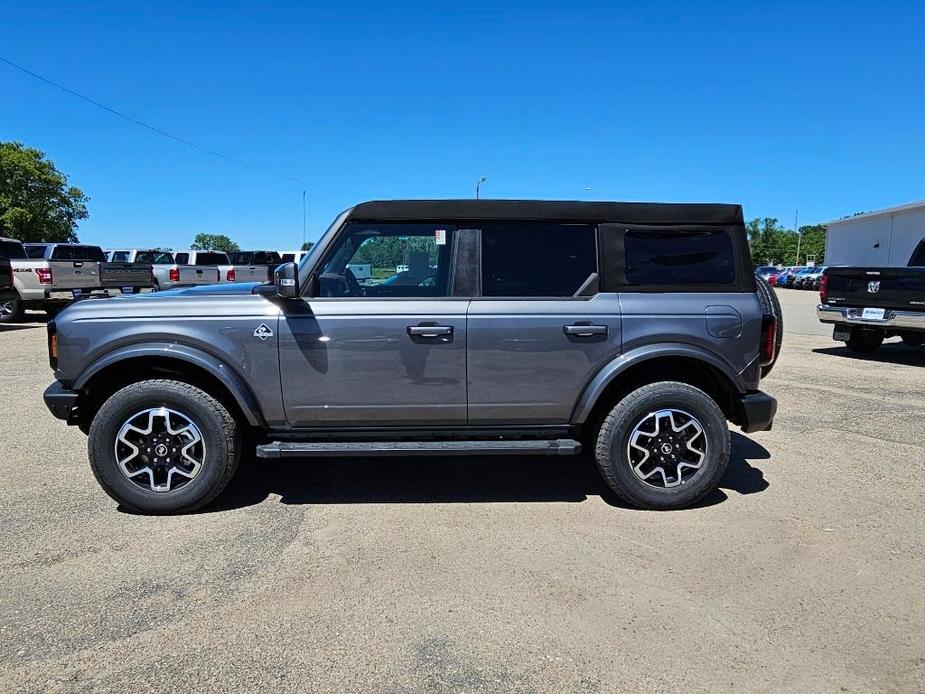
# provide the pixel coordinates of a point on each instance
(635, 329)
(869, 304)
(785, 279)
(765, 271)
(49, 276)
(255, 266)
(168, 274)
(810, 279)
(116, 277)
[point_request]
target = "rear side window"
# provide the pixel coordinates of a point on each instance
(85, 253)
(537, 259)
(211, 259)
(36, 251)
(12, 250)
(676, 257)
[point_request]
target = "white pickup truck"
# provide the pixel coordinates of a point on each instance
(227, 270)
(255, 266)
(168, 274)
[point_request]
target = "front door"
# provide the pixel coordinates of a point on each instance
(381, 341)
(540, 329)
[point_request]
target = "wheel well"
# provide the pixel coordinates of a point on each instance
(687, 370)
(116, 376)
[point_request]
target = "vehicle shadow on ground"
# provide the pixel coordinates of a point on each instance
(10, 327)
(454, 480)
(892, 352)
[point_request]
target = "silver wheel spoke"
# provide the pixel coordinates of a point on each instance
(667, 447)
(160, 449)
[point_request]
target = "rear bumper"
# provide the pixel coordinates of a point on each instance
(60, 401)
(893, 320)
(758, 410)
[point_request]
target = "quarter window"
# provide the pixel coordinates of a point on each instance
(537, 260)
(679, 257)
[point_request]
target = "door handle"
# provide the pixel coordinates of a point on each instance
(429, 330)
(585, 330)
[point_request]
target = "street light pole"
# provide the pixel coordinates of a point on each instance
(478, 185)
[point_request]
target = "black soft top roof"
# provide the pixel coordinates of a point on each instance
(551, 210)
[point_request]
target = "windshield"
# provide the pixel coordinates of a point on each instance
(314, 249)
(12, 250)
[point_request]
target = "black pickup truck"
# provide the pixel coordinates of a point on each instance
(870, 304)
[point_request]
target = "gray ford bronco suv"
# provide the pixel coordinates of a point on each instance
(479, 327)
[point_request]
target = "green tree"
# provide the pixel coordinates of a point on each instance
(813, 243)
(214, 242)
(36, 202)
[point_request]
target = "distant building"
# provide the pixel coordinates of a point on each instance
(883, 237)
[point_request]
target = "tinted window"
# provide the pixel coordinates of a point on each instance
(36, 251)
(288, 258)
(241, 258)
(918, 255)
(85, 253)
(12, 250)
(120, 256)
(675, 257)
(182, 258)
(211, 259)
(537, 259)
(154, 258)
(267, 258)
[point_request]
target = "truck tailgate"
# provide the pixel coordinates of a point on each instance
(896, 288)
(74, 274)
(125, 275)
(190, 274)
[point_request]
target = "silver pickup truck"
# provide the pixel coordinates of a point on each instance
(255, 266)
(228, 271)
(168, 274)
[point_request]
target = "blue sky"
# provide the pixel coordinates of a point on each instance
(817, 106)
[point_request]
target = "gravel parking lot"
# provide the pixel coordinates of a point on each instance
(805, 573)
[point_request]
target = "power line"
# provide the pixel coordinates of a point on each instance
(149, 127)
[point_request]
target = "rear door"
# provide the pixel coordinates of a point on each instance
(540, 329)
(75, 267)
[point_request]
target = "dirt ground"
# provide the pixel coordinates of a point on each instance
(804, 573)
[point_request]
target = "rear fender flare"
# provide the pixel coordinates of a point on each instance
(191, 355)
(619, 365)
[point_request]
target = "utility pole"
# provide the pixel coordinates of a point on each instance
(796, 228)
(304, 218)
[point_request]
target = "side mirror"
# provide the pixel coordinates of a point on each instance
(286, 279)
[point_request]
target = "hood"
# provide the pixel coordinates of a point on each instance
(234, 289)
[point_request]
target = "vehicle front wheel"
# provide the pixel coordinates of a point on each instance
(664, 446)
(864, 341)
(11, 311)
(163, 446)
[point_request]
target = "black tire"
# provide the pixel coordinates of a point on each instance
(11, 311)
(221, 436)
(864, 341)
(617, 428)
(771, 304)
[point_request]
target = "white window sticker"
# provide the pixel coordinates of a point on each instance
(440, 237)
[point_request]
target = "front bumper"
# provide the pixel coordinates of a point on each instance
(60, 401)
(892, 320)
(758, 410)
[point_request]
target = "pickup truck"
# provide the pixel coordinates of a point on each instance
(118, 277)
(217, 259)
(44, 284)
(870, 304)
(633, 330)
(255, 266)
(7, 291)
(167, 273)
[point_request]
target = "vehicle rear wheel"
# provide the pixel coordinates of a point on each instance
(664, 446)
(770, 304)
(11, 311)
(864, 341)
(163, 446)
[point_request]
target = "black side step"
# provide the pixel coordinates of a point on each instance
(366, 449)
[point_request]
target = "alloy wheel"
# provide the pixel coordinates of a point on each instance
(160, 449)
(667, 448)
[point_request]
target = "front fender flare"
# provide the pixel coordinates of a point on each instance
(191, 355)
(612, 370)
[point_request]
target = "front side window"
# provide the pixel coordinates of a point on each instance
(389, 260)
(526, 259)
(675, 257)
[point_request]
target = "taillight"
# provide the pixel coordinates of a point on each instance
(824, 289)
(230, 275)
(44, 275)
(174, 274)
(768, 339)
(52, 344)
